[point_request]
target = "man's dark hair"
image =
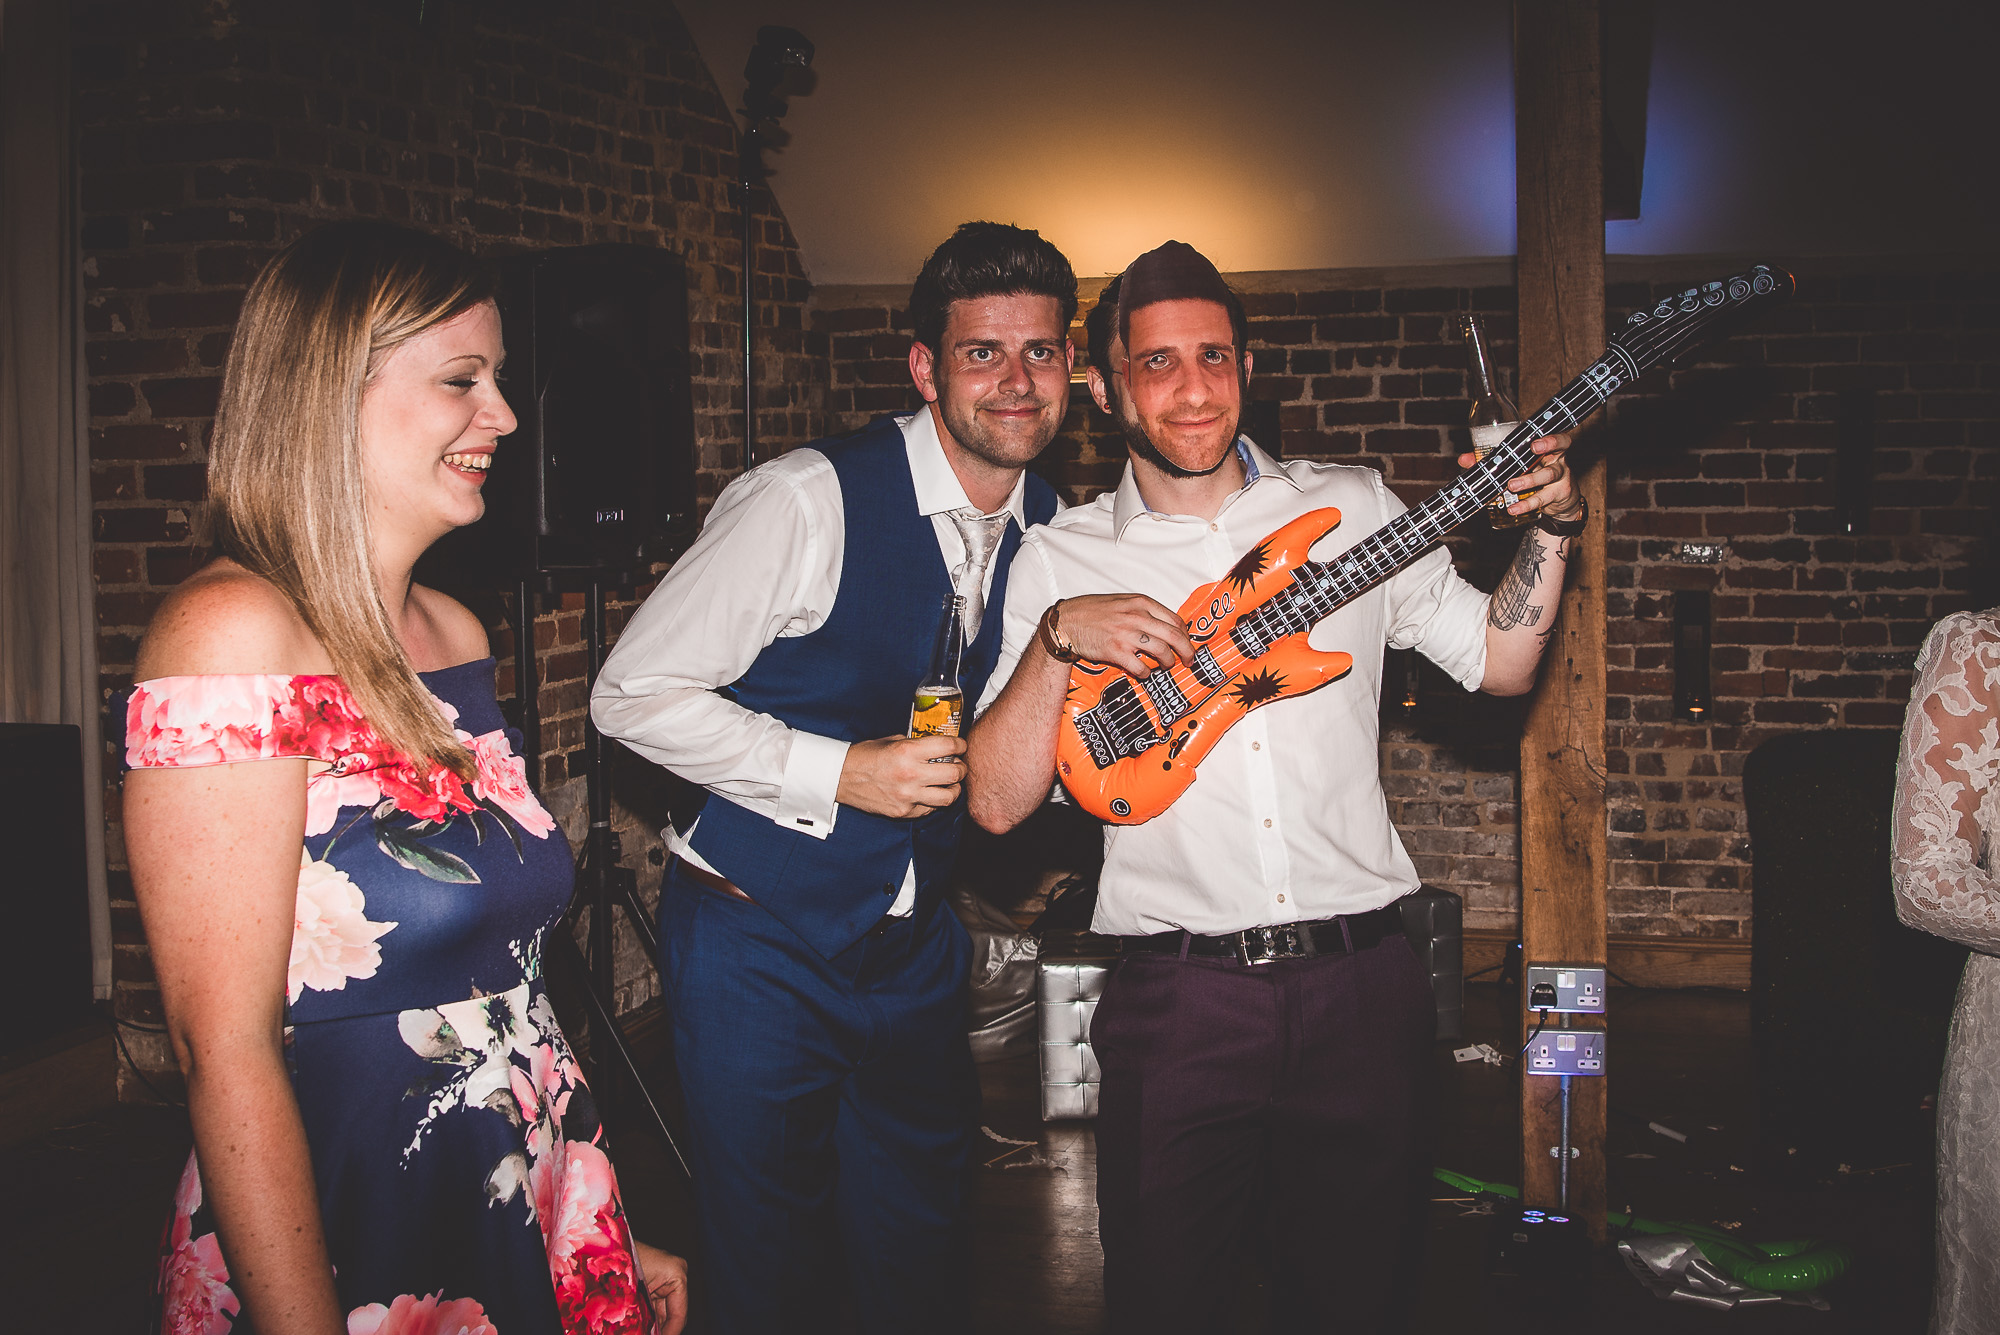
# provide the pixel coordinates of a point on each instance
(1098, 326)
(1176, 271)
(1239, 323)
(988, 259)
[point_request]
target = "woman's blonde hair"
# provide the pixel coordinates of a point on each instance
(286, 495)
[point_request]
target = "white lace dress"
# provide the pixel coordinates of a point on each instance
(1947, 816)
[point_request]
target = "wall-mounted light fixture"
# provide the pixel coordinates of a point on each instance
(1399, 681)
(1691, 641)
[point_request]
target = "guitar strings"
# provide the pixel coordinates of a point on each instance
(1369, 561)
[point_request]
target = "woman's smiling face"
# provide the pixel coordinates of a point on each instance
(430, 417)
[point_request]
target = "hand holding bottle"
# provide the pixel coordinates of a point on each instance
(938, 706)
(1493, 418)
(902, 777)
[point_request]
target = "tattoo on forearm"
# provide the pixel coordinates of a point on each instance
(1511, 605)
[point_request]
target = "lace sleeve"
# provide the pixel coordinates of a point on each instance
(1945, 786)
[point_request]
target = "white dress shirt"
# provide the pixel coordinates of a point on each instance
(1287, 821)
(766, 567)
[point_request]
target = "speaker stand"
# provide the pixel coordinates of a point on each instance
(601, 884)
(752, 172)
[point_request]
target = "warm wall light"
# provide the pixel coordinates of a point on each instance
(1400, 681)
(1691, 639)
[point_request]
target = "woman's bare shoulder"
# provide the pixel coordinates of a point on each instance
(224, 619)
(453, 634)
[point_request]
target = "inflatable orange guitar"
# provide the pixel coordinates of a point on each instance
(1128, 746)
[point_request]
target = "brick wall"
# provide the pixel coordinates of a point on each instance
(1812, 627)
(212, 132)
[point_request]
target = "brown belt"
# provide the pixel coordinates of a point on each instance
(703, 876)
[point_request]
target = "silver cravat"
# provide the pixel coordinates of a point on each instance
(981, 535)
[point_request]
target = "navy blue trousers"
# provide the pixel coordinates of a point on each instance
(1281, 1106)
(831, 1106)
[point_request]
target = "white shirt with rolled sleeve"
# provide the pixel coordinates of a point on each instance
(766, 566)
(1287, 821)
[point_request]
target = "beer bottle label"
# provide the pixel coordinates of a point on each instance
(931, 714)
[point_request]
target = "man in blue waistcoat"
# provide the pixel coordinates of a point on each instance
(815, 979)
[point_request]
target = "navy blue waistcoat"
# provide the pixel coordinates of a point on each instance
(852, 679)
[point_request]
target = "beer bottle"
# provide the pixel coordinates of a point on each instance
(939, 702)
(1493, 418)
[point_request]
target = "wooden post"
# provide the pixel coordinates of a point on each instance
(1558, 133)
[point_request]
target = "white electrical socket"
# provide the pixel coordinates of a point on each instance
(1579, 988)
(1566, 1052)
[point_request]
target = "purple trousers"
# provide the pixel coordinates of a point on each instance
(1281, 1106)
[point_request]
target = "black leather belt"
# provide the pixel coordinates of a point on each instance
(1286, 941)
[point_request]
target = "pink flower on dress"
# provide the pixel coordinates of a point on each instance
(428, 793)
(207, 720)
(503, 781)
(590, 1250)
(330, 790)
(587, 1188)
(430, 1315)
(542, 1095)
(319, 718)
(599, 1293)
(195, 1297)
(331, 940)
(541, 1182)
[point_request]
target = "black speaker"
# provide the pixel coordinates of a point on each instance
(46, 899)
(1849, 1009)
(598, 481)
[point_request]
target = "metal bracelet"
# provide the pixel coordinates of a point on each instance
(1564, 528)
(1052, 637)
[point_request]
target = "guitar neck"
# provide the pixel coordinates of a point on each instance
(1408, 536)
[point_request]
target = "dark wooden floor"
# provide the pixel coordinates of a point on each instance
(86, 1200)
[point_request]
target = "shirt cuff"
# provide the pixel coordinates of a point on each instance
(812, 780)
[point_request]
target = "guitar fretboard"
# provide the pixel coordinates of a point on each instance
(1322, 587)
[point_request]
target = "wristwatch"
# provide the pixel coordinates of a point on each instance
(1564, 528)
(1052, 637)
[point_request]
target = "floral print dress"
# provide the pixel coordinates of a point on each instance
(462, 1179)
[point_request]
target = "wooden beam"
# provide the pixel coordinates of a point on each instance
(1559, 183)
(1628, 68)
(1636, 961)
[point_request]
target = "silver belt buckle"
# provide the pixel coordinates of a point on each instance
(1287, 941)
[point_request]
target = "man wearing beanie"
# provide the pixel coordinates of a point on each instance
(1249, 1086)
(816, 981)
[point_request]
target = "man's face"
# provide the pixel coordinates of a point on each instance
(1000, 377)
(1183, 385)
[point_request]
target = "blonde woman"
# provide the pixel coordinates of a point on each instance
(343, 874)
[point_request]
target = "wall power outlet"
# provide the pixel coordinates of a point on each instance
(1579, 988)
(1566, 1052)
